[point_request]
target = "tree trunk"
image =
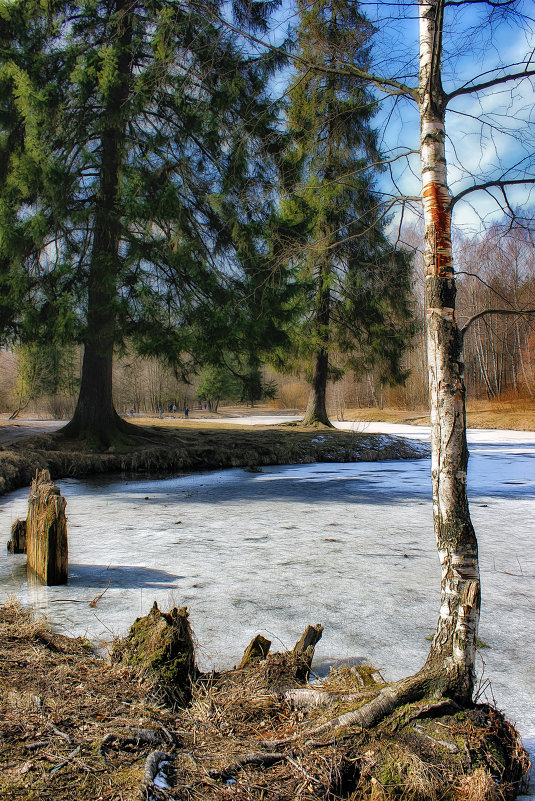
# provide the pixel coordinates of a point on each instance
(452, 652)
(95, 417)
(316, 411)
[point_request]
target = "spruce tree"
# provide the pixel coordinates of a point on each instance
(153, 121)
(357, 282)
(25, 75)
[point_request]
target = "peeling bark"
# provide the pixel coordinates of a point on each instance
(453, 647)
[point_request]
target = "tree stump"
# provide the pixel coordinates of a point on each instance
(305, 647)
(258, 648)
(46, 531)
(161, 644)
(17, 543)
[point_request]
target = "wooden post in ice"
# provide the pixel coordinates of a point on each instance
(46, 531)
(17, 543)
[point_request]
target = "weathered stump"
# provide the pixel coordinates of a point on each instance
(17, 543)
(46, 531)
(257, 649)
(161, 644)
(305, 647)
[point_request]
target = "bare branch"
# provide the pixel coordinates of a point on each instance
(478, 87)
(488, 185)
(515, 312)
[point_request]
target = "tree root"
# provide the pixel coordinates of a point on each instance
(389, 698)
(264, 760)
(158, 763)
(305, 697)
(136, 738)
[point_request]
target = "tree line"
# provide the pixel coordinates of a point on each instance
(156, 198)
(496, 269)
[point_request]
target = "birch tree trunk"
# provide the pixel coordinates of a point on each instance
(449, 668)
(453, 648)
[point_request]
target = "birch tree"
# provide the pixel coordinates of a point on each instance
(449, 668)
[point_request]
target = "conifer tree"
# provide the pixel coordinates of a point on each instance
(358, 283)
(155, 118)
(23, 34)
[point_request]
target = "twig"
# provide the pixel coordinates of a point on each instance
(444, 743)
(60, 733)
(60, 765)
(36, 746)
(301, 770)
(97, 598)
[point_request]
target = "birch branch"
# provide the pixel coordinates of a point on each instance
(501, 184)
(514, 312)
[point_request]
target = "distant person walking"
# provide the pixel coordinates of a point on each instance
(186, 412)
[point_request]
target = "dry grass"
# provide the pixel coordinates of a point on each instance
(480, 786)
(75, 728)
(517, 414)
(186, 446)
(58, 702)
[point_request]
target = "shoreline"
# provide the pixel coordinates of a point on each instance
(197, 447)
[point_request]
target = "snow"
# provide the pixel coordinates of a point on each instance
(350, 546)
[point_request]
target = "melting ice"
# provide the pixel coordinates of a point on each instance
(350, 546)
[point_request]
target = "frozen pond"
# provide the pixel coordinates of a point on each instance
(350, 546)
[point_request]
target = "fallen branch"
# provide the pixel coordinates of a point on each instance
(97, 598)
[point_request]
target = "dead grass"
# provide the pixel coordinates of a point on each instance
(58, 702)
(74, 728)
(187, 446)
(517, 414)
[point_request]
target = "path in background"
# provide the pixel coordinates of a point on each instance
(25, 427)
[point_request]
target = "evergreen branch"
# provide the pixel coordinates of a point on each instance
(388, 85)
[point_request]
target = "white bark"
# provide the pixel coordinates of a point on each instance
(453, 647)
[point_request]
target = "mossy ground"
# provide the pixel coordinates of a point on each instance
(240, 738)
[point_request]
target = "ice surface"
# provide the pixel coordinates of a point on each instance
(350, 546)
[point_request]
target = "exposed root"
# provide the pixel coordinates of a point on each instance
(258, 759)
(73, 727)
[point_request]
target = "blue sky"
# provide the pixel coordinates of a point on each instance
(490, 135)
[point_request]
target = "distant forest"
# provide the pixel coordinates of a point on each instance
(499, 352)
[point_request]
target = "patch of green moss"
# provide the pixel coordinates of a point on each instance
(161, 644)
